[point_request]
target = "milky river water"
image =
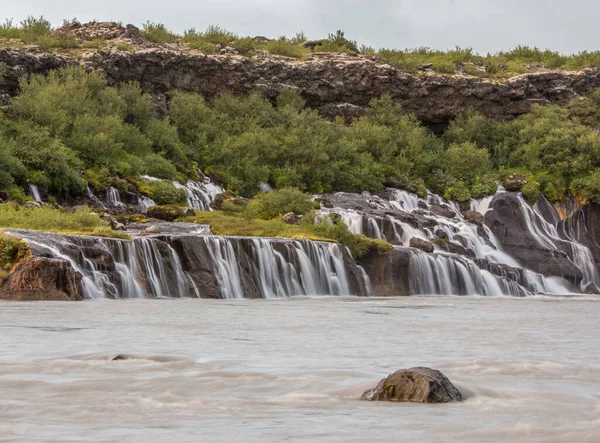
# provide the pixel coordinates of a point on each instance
(293, 370)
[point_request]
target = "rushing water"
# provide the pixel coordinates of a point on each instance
(293, 370)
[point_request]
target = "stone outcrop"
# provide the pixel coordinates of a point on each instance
(336, 84)
(519, 238)
(388, 274)
(417, 385)
(41, 278)
(423, 245)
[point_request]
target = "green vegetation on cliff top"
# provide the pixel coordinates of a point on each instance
(522, 59)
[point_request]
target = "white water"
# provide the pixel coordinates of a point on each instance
(113, 197)
(293, 370)
(35, 193)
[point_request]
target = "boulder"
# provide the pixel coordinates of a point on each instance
(421, 244)
(169, 212)
(229, 197)
(41, 278)
(291, 219)
(474, 217)
(31, 204)
(152, 230)
(513, 182)
(417, 385)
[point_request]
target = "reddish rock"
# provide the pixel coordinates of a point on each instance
(40, 278)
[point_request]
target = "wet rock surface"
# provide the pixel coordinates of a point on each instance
(417, 385)
(41, 278)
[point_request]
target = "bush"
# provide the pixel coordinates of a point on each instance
(283, 47)
(12, 251)
(165, 193)
(157, 166)
(281, 201)
(157, 32)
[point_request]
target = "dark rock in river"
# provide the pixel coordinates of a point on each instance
(41, 278)
(418, 385)
(388, 274)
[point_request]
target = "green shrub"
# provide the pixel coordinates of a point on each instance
(12, 251)
(281, 201)
(165, 193)
(157, 166)
(458, 192)
(283, 47)
(157, 32)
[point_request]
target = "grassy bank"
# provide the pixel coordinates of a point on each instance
(64, 221)
(68, 39)
(222, 223)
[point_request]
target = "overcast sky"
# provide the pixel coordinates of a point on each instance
(485, 25)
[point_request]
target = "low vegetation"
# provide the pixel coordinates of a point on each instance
(12, 251)
(243, 220)
(45, 218)
(39, 31)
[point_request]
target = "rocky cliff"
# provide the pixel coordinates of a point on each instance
(335, 84)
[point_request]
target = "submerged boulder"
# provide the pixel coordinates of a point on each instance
(41, 278)
(417, 385)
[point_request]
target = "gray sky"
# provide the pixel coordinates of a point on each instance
(486, 25)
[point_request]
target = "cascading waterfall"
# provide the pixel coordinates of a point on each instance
(150, 267)
(113, 197)
(440, 274)
(199, 194)
(144, 203)
(400, 216)
(35, 193)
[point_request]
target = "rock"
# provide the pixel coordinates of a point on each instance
(421, 244)
(442, 211)
(513, 182)
(4, 196)
(418, 385)
(31, 204)
(388, 274)
(291, 219)
(41, 278)
(441, 234)
(230, 198)
(312, 44)
(119, 227)
(152, 230)
(169, 212)
(324, 80)
(508, 222)
(474, 217)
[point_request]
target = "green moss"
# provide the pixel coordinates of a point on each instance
(12, 251)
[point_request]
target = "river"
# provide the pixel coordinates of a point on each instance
(292, 370)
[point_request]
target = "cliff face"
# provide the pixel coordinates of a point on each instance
(335, 84)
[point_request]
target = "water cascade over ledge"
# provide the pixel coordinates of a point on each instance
(202, 266)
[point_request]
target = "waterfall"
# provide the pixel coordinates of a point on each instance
(464, 250)
(113, 197)
(200, 194)
(144, 203)
(264, 187)
(439, 274)
(189, 265)
(35, 193)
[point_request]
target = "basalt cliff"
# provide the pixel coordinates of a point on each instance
(335, 84)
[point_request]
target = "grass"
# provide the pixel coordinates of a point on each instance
(499, 65)
(45, 218)
(12, 251)
(222, 223)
